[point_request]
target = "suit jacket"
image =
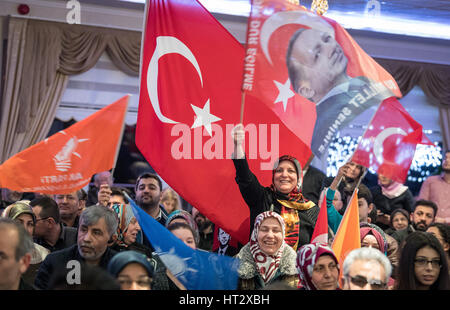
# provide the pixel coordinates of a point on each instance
(337, 111)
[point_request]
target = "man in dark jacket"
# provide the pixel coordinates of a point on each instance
(97, 225)
(49, 231)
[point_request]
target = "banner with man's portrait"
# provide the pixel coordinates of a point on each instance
(310, 71)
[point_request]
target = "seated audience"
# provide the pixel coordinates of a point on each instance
(423, 264)
(366, 269)
(133, 270)
(388, 196)
(442, 232)
(91, 277)
(399, 220)
(423, 215)
(21, 212)
(97, 225)
(267, 257)
(49, 231)
(170, 200)
(318, 267)
(16, 246)
(184, 232)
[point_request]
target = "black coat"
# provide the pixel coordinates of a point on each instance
(312, 184)
(386, 205)
(259, 199)
(57, 261)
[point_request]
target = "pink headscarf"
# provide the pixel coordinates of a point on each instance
(364, 231)
(307, 257)
(267, 264)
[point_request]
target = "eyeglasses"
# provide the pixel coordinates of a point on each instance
(362, 281)
(422, 262)
(127, 283)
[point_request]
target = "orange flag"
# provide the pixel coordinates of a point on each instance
(348, 236)
(66, 161)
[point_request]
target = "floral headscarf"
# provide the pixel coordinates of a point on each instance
(188, 218)
(267, 264)
(307, 257)
(125, 215)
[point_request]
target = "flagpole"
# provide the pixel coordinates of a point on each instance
(241, 120)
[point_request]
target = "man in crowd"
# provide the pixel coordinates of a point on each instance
(148, 196)
(423, 215)
(49, 231)
(366, 269)
(205, 230)
(437, 189)
(97, 225)
(69, 206)
(15, 255)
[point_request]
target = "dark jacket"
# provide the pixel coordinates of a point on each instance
(400, 235)
(25, 286)
(260, 199)
(57, 261)
(386, 205)
(67, 238)
(312, 184)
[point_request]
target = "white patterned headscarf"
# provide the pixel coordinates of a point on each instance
(267, 264)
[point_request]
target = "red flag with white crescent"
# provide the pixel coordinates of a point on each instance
(190, 97)
(389, 143)
(310, 72)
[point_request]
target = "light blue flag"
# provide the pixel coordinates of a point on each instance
(195, 269)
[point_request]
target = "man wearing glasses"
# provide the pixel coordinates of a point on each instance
(366, 269)
(49, 231)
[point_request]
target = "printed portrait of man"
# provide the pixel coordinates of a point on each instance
(317, 68)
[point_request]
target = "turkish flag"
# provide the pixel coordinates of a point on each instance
(328, 70)
(190, 95)
(320, 233)
(66, 161)
(389, 143)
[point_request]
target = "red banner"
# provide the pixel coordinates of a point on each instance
(310, 72)
(190, 99)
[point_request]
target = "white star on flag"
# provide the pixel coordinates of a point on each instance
(284, 92)
(204, 117)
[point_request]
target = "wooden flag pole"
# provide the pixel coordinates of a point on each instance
(241, 120)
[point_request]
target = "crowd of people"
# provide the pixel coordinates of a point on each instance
(405, 240)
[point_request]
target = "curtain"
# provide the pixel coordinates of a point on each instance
(41, 56)
(433, 79)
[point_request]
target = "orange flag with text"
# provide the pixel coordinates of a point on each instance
(348, 235)
(66, 161)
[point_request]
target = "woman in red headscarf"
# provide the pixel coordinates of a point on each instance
(283, 196)
(318, 267)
